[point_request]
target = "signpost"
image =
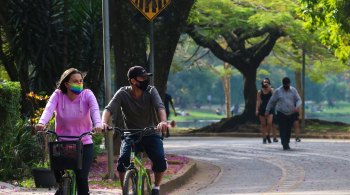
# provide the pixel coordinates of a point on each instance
(151, 9)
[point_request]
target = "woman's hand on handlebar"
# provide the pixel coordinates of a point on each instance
(98, 129)
(40, 127)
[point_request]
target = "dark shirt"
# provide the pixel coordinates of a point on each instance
(136, 113)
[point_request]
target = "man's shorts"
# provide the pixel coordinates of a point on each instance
(152, 145)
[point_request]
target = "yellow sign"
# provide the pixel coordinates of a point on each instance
(150, 8)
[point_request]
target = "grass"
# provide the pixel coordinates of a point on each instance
(327, 128)
(197, 115)
(340, 112)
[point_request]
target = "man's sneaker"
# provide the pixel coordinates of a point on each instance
(286, 147)
(275, 140)
(297, 139)
(155, 192)
(58, 192)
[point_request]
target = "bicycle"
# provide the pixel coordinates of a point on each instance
(137, 178)
(66, 156)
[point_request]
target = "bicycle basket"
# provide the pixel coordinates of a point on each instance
(66, 155)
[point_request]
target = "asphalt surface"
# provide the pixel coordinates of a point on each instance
(227, 164)
(313, 166)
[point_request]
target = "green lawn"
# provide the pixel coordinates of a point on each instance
(341, 112)
(197, 115)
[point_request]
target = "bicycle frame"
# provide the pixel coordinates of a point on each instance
(140, 169)
(136, 162)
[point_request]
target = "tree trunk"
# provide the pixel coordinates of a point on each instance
(227, 91)
(26, 108)
(297, 77)
(130, 31)
(249, 94)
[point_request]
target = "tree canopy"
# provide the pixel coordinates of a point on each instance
(332, 19)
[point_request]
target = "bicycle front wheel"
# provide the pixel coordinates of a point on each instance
(130, 183)
(66, 186)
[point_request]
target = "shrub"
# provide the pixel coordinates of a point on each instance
(18, 149)
(97, 139)
(19, 152)
(10, 97)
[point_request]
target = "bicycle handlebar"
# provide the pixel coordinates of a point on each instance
(67, 136)
(142, 132)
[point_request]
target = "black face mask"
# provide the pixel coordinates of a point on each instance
(143, 84)
(286, 87)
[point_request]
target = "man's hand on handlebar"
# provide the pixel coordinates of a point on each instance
(105, 126)
(162, 126)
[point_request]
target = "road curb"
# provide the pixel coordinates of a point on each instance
(180, 178)
(240, 134)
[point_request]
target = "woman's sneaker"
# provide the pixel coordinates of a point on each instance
(297, 139)
(275, 140)
(268, 139)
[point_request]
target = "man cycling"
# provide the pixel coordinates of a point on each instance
(140, 106)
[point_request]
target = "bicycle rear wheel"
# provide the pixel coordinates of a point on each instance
(130, 183)
(146, 189)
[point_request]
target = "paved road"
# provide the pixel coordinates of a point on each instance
(313, 166)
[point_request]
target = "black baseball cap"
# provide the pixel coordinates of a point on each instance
(137, 71)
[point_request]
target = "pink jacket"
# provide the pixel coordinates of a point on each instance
(73, 117)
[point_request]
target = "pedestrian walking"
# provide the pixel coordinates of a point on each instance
(287, 102)
(263, 97)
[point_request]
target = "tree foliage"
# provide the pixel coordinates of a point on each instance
(40, 39)
(332, 19)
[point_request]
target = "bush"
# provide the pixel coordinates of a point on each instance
(10, 97)
(97, 139)
(18, 153)
(18, 149)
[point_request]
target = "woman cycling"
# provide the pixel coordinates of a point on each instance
(76, 111)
